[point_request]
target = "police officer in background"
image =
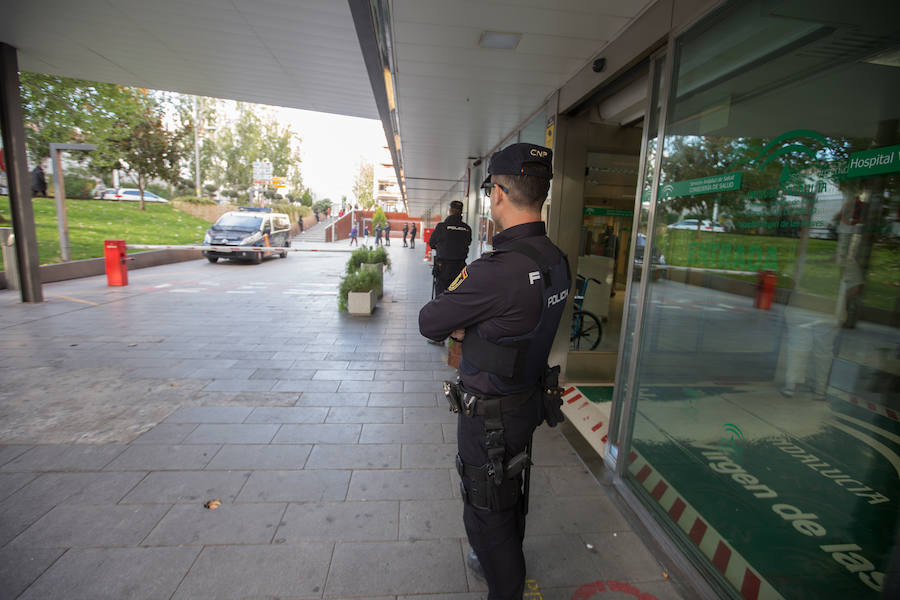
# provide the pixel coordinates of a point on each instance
(505, 308)
(450, 242)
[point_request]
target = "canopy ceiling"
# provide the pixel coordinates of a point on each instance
(455, 99)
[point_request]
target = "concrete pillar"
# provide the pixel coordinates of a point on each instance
(13, 129)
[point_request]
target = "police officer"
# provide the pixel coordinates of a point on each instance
(506, 308)
(450, 242)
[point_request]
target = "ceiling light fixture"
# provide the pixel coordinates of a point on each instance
(499, 40)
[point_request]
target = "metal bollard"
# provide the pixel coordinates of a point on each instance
(10, 265)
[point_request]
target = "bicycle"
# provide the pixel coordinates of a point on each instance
(586, 329)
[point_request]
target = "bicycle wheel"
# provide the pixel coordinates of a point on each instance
(586, 331)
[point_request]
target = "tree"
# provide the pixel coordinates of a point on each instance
(322, 205)
(378, 217)
(142, 146)
(362, 185)
(306, 199)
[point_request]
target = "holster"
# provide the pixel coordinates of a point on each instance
(460, 401)
(483, 492)
(551, 395)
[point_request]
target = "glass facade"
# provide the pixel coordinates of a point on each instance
(759, 367)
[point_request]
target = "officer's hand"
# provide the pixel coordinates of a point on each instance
(458, 335)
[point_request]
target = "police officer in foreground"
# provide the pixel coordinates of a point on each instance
(505, 308)
(450, 242)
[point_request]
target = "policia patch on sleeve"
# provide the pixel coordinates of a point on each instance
(459, 279)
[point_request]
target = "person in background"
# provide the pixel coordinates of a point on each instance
(354, 232)
(405, 233)
(387, 233)
(450, 241)
(38, 182)
(300, 223)
(378, 230)
(365, 234)
(412, 236)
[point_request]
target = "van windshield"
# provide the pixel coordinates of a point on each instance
(240, 222)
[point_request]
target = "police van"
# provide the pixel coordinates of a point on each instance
(248, 227)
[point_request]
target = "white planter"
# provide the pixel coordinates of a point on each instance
(361, 303)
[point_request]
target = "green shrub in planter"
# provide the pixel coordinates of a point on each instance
(366, 255)
(357, 281)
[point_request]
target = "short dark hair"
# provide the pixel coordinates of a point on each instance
(525, 191)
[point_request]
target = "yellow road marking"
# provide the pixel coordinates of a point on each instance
(73, 299)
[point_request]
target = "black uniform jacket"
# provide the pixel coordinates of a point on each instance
(451, 239)
(494, 296)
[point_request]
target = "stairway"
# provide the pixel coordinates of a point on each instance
(316, 233)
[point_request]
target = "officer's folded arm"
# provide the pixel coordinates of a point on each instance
(475, 299)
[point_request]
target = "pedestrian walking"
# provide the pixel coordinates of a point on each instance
(412, 236)
(366, 235)
(38, 182)
(378, 230)
(354, 232)
(316, 213)
(300, 222)
(405, 233)
(505, 308)
(387, 233)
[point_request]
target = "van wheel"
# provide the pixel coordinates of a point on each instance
(212, 259)
(283, 255)
(257, 258)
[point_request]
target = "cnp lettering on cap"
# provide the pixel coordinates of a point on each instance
(540, 153)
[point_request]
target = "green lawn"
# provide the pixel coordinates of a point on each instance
(93, 221)
(820, 275)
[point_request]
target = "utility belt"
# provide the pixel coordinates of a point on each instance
(441, 263)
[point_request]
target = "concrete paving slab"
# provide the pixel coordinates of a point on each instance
(244, 572)
(11, 451)
(296, 486)
(166, 433)
(276, 414)
(438, 414)
(333, 399)
(430, 519)
(370, 386)
(19, 567)
(343, 414)
(163, 457)
(12, 482)
(241, 385)
(344, 375)
(187, 486)
(194, 525)
(400, 484)
(403, 399)
(232, 434)
(429, 386)
(338, 522)
(64, 458)
(260, 457)
(209, 414)
(325, 433)
(551, 513)
(428, 456)
(114, 574)
(301, 385)
(91, 526)
(280, 374)
(354, 456)
(431, 566)
(403, 433)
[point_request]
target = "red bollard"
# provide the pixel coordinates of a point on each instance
(765, 290)
(116, 266)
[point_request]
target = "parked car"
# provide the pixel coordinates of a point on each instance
(131, 195)
(705, 225)
(248, 227)
(657, 259)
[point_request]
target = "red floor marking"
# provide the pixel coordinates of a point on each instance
(597, 426)
(676, 510)
(568, 391)
(589, 589)
(573, 399)
(871, 407)
(603, 439)
(891, 414)
(697, 531)
(721, 557)
(643, 473)
(659, 490)
(750, 589)
(631, 457)
(854, 399)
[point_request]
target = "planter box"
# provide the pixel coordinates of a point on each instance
(361, 303)
(378, 268)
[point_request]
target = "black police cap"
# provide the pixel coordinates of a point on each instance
(456, 204)
(523, 159)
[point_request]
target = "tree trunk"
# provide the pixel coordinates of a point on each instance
(141, 190)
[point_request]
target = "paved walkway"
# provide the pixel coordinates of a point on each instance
(124, 410)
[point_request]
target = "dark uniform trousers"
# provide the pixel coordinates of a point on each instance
(496, 536)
